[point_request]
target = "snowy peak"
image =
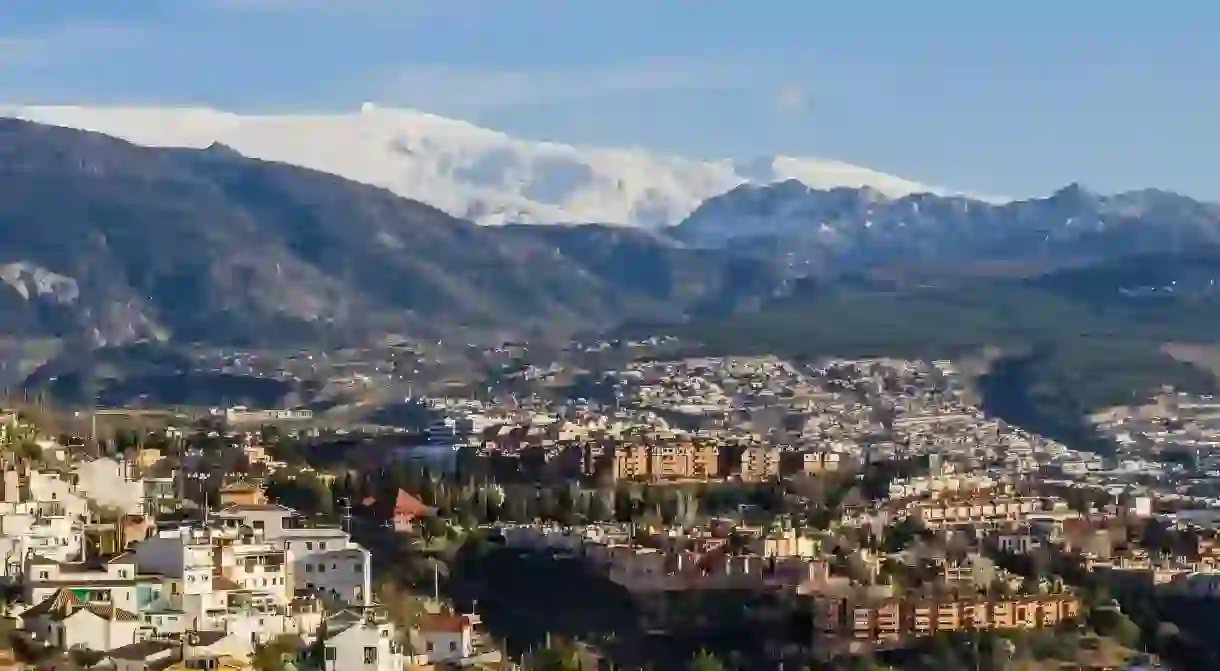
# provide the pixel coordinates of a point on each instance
(468, 171)
(789, 215)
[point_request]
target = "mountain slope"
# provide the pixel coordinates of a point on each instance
(858, 227)
(470, 172)
(1072, 341)
(112, 242)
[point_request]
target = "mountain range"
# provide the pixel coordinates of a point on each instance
(852, 228)
(470, 172)
(111, 242)
(106, 242)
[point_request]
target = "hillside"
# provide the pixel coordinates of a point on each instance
(109, 243)
(1075, 340)
(845, 228)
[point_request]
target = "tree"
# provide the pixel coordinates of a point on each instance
(271, 656)
(29, 450)
(600, 506)
(433, 527)
(706, 661)
(558, 656)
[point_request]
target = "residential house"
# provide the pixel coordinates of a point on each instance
(362, 640)
(408, 510)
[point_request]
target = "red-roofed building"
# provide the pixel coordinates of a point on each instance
(449, 638)
(407, 510)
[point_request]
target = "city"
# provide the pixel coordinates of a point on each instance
(549, 335)
(837, 510)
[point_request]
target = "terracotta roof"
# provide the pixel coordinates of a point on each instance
(221, 582)
(239, 487)
(444, 622)
(104, 611)
(409, 505)
(141, 651)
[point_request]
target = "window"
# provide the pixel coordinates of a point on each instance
(321, 568)
(309, 568)
(123, 573)
(370, 655)
(44, 575)
(287, 545)
(452, 646)
(331, 655)
(260, 525)
(308, 545)
(357, 567)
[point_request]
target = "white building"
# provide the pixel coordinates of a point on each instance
(111, 483)
(447, 638)
(362, 641)
(324, 559)
(95, 608)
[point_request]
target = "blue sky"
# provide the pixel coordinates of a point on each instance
(1002, 98)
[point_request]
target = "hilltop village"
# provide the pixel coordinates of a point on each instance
(700, 512)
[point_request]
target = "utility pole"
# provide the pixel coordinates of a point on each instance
(346, 503)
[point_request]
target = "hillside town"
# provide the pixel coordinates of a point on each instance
(835, 513)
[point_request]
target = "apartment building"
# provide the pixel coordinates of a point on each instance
(759, 463)
(666, 461)
(643, 570)
(897, 619)
(320, 559)
(983, 510)
(811, 463)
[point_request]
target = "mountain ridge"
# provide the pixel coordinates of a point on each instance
(862, 227)
(109, 242)
(465, 170)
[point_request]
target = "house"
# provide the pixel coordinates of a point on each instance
(144, 655)
(408, 510)
(242, 494)
(74, 620)
(148, 457)
(361, 640)
(321, 559)
(446, 637)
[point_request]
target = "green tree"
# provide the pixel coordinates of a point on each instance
(273, 655)
(558, 656)
(29, 450)
(706, 661)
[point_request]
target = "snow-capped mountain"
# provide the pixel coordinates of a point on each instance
(468, 171)
(862, 227)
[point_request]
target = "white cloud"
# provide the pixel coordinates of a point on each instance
(792, 100)
(459, 87)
